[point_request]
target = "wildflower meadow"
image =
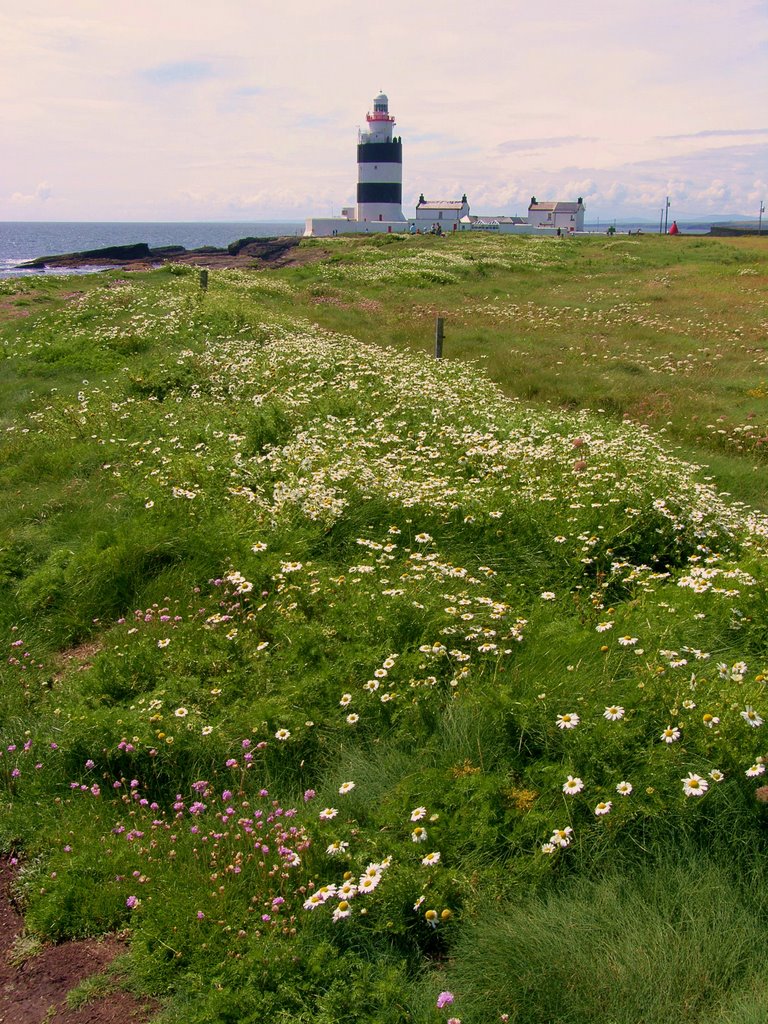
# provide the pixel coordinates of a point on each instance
(347, 684)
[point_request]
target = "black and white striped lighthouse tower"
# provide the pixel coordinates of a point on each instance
(379, 167)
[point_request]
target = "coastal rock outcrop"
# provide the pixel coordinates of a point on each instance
(110, 253)
(245, 252)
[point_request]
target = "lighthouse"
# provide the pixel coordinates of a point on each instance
(379, 167)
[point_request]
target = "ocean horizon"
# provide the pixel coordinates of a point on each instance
(26, 240)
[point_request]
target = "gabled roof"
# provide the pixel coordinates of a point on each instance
(440, 204)
(493, 219)
(556, 207)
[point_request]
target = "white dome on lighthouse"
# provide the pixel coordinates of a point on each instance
(381, 103)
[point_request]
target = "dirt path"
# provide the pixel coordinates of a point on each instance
(35, 991)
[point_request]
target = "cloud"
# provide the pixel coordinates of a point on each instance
(717, 133)
(715, 195)
(523, 145)
(178, 72)
(723, 161)
(415, 137)
(587, 188)
(42, 193)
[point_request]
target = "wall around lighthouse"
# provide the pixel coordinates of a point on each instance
(326, 227)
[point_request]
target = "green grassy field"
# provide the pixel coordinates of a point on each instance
(662, 331)
(339, 677)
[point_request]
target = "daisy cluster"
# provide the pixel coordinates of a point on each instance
(438, 264)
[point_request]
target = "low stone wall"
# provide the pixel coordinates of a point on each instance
(326, 227)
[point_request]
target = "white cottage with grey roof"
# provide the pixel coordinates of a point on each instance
(445, 213)
(566, 216)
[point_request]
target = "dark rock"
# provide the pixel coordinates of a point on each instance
(268, 248)
(138, 251)
(112, 253)
(265, 250)
(234, 247)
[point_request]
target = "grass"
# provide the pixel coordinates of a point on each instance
(370, 676)
(25, 947)
(666, 332)
(671, 941)
(97, 986)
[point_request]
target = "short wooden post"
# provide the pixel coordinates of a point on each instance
(439, 338)
(204, 280)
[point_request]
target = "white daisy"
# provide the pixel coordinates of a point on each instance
(562, 836)
(694, 785)
(751, 717)
(568, 721)
(573, 785)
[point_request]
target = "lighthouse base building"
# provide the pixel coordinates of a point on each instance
(379, 182)
(325, 227)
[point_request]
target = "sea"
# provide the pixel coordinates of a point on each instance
(25, 240)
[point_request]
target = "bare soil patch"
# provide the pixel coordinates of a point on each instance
(80, 657)
(35, 991)
(11, 310)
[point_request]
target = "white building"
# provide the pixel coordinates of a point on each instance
(444, 213)
(500, 223)
(566, 216)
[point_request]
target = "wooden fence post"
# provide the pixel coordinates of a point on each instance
(439, 338)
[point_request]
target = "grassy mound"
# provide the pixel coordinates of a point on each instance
(339, 678)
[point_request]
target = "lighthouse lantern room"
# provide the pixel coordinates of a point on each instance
(379, 167)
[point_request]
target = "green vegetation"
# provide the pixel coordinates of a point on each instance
(340, 677)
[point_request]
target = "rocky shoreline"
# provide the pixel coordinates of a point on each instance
(253, 253)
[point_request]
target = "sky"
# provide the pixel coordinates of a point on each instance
(248, 110)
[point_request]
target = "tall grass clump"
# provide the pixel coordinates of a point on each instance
(671, 940)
